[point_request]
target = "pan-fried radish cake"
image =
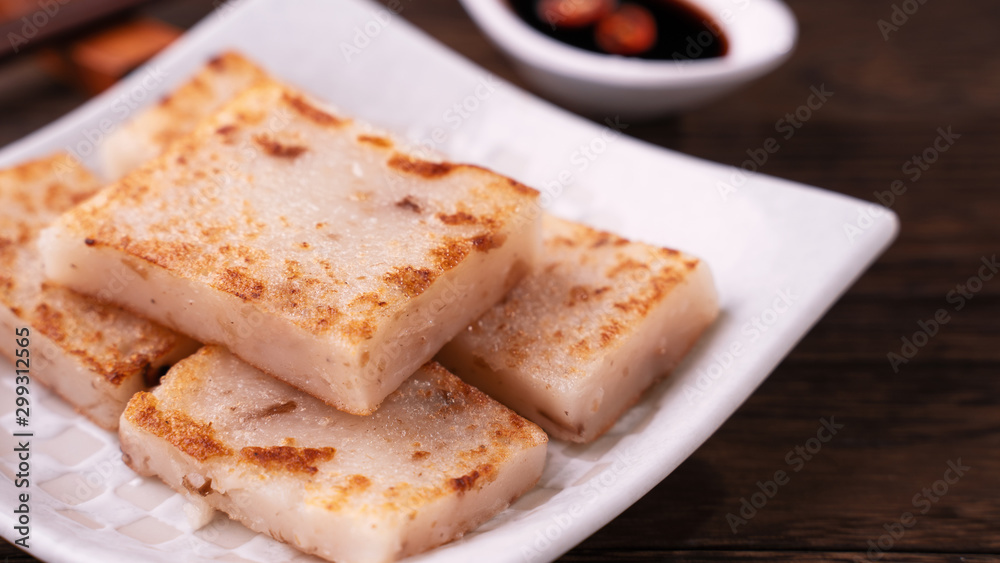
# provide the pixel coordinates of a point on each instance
(146, 135)
(94, 355)
(579, 340)
(436, 460)
(310, 247)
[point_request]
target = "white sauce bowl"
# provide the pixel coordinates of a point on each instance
(761, 34)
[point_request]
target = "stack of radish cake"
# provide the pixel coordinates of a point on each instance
(91, 353)
(324, 264)
(327, 256)
(312, 249)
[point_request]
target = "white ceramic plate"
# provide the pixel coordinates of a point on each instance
(778, 250)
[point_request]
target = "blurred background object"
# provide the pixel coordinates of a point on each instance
(90, 44)
(30, 24)
(55, 54)
(100, 59)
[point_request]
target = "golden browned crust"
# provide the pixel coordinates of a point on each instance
(446, 397)
(409, 203)
(451, 253)
(351, 486)
(411, 281)
(488, 241)
(187, 212)
(240, 284)
(279, 408)
(35, 193)
(107, 340)
(276, 148)
(311, 112)
(212, 382)
(591, 290)
(425, 168)
(457, 218)
(194, 438)
(287, 458)
(470, 480)
(376, 140)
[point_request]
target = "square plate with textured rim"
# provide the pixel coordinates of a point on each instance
(781, 252)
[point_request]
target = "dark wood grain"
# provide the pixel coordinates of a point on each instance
(38, 24)
(942, 68)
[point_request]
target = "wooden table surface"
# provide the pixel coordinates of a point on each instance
(901, 427)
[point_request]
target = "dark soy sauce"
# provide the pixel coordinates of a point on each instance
(684, 33)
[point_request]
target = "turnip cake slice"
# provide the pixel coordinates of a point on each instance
(310, 247)
(437, 459)
(579, 340)
(146, 135)
(94, 355)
